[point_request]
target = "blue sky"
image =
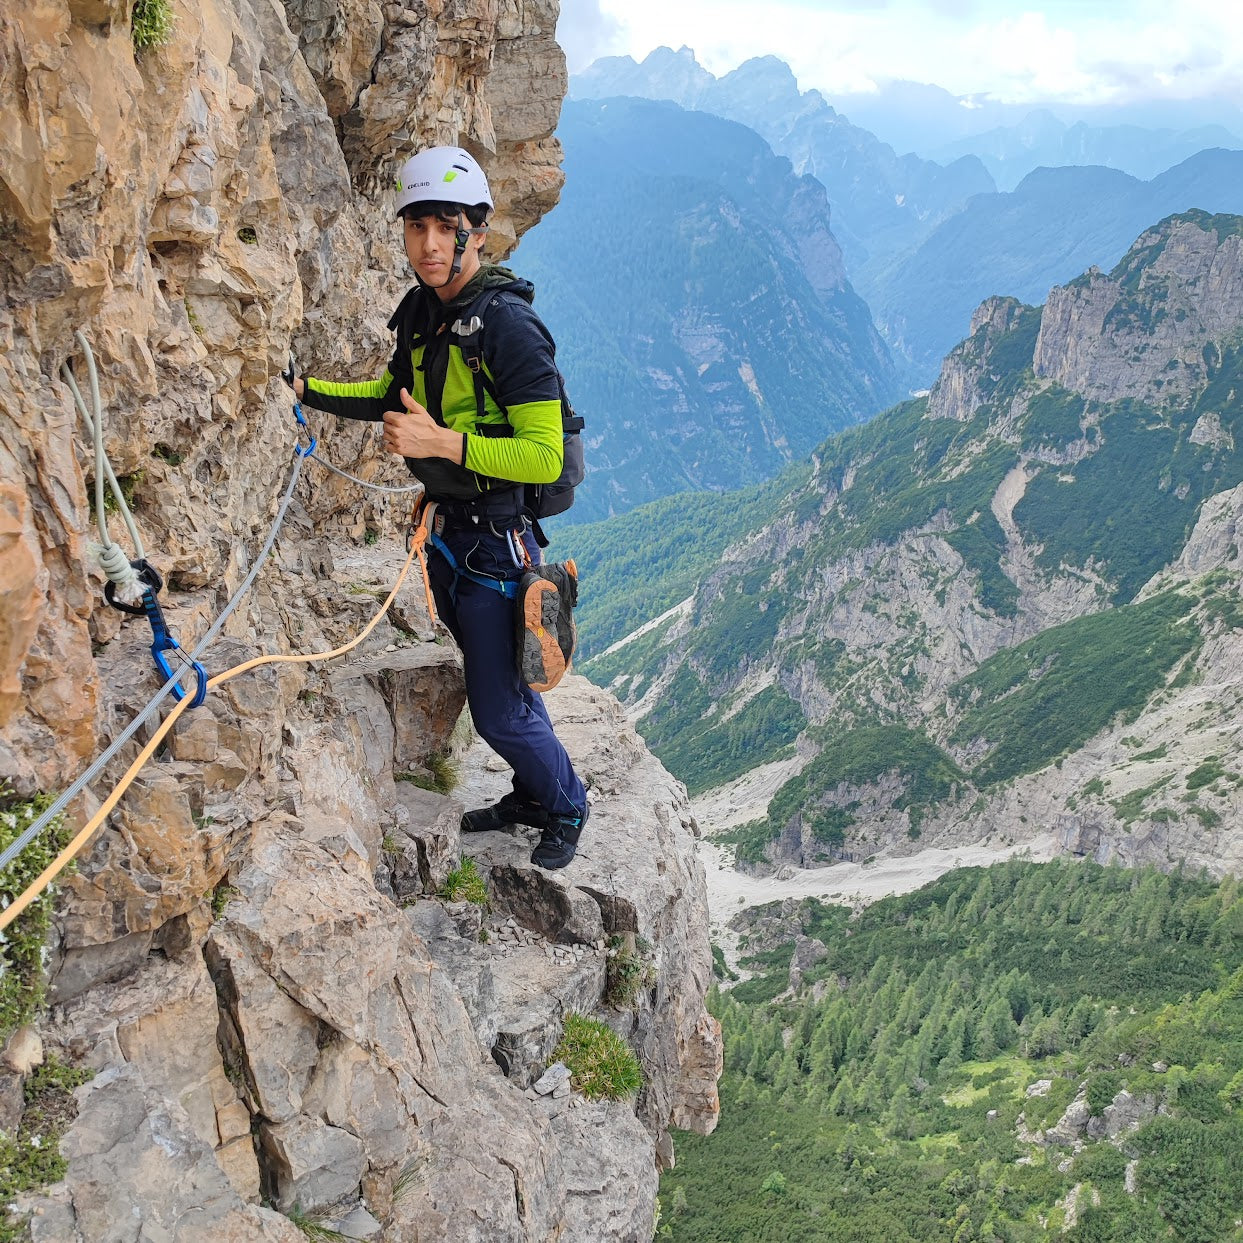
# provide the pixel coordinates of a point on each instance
(1092, 52)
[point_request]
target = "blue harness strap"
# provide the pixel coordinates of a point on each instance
(508, 589)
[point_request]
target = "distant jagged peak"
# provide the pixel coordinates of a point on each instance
(662, 74)
(769, 70)
(996, 316)
(972, 370)
(678, 76)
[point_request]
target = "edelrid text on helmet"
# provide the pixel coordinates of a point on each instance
(442, 174)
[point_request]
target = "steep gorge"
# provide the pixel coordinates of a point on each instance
(249, 954)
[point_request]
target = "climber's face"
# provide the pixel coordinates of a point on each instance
(430, 243)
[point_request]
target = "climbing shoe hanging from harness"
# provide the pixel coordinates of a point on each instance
(545, 636)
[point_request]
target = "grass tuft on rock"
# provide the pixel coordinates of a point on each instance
(314, 1227)
(152, 24)
(602, 1067)
(31, 1159)
(464, 884)
(441, 774)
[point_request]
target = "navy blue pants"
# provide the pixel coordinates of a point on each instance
(509, 716)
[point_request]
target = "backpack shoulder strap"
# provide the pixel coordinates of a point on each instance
(467, 331)
(403, 318)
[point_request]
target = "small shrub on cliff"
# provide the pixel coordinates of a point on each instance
(440, 775)
(22, 943)
(152, 24)
(601, 1064)
(630, 969)
(31, 1159)
(464, 884)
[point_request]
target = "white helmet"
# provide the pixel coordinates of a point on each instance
(442, 174)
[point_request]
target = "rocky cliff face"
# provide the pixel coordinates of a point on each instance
(1140, 331)
(250, 953)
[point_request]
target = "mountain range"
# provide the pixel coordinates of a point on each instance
(1056, 223)
(1004, 609)
(701, 307)
(883, 203)
(1010, 152)
(1010, 139)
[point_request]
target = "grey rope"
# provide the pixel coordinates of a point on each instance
(362, 483)
(112, 556)
(19, 844)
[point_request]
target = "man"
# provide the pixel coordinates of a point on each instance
(474, 442)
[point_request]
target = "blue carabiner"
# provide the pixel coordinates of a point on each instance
(299, 449)
(163, 642)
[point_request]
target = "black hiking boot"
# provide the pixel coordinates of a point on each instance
(559, 840)
(510, 809)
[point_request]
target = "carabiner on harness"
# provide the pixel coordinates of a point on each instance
(162, 641)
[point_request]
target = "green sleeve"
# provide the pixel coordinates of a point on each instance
(366, 400)
(532, 455)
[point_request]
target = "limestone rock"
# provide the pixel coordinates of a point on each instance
(807, 952)
(163, 1022)
(1139, 332)
(1125, 1113)
(310, 1163)
(426, 837)
(1073, 1124)
(471, 972)
(534, 993)
(137, 1169)
(23, 1051)
(656, 890)
(958, 392)
(223, 956)
(610, 1201)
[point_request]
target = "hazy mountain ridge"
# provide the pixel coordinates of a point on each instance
(1011, 152)
(950, 618)
(727, 339)
(926, 239)
(884, 203)
(1054, 225)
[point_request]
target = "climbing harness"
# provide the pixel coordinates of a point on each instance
(507, 587)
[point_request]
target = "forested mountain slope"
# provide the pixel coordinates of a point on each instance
(703, 317)
(1026, 1052)
(1008, 608)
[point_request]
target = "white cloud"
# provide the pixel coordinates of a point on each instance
(1085, 51)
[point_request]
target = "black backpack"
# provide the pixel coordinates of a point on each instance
(539, 500)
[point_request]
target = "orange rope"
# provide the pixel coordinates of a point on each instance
(418, 538)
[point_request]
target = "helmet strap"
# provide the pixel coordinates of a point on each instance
(460, 238)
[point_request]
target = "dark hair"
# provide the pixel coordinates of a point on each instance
(477, 213)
